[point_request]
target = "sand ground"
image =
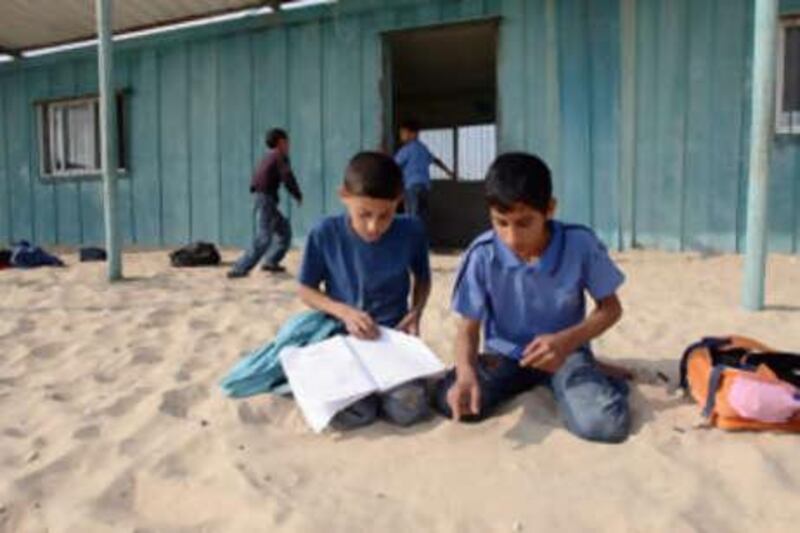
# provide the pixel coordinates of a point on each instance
(111, 418)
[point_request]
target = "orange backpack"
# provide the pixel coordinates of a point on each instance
(742, 384)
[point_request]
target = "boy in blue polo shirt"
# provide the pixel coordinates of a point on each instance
(415, 160)
(524, 282)
(366, 260)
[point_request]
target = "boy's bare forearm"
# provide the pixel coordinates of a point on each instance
(467, 340)
(606, 314)
(420, 294)
(439, 163)
(320, 301)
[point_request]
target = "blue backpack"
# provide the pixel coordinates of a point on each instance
(26, 255)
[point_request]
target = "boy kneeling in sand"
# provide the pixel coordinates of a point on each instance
(524, 282)
(364, 259)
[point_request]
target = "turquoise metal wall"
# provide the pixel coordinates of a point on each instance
(691, 93)
(638, 105)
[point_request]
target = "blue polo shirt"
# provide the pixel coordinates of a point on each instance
(373, 277)
(415, 159)
(517, 300)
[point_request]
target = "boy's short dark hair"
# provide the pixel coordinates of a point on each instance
(410, 124)
(375, 175)
(518, 177)
(274, 136)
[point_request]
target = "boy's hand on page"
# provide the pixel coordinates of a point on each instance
(546, 352)
(410, 323)
(464, 396)
(360, 324)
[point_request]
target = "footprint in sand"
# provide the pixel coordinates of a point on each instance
(126, 403)
(14, 433)
(146, 355)
(23, 325)
(177, 402)
(197, 324)
(171, 466)
(47, 478)
(250, 416)
(249, 476)
(106, 331)
(190, 366)
(104, 377)
(157, 319)
(48, 350)
(129, 447)
(183, 375)
(11, 517)
(118, 498)
(86, 433)
(60, 397)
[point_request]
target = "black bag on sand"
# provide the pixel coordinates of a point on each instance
(195, 254)
(5, 258)
(92, 253)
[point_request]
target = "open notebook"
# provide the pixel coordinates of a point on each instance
(328, 376)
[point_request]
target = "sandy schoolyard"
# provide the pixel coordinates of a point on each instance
(111, 419)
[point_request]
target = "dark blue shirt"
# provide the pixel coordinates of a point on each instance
(415, 159)
(373, 277)
(518, 300)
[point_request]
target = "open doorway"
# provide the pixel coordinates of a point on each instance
(445, 78)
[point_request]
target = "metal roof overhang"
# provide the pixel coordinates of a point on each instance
(31, 24)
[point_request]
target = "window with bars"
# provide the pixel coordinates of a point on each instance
(69, 137)
(788, 95)
(468, 150)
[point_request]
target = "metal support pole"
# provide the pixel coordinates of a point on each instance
(762, 131)
(108, 137)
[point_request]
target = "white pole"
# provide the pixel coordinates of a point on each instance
(761, 135)
(108, 142)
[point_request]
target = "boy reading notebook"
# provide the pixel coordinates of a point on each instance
(331, 375)
(361, 267)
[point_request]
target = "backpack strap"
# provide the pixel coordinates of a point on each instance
(713, 344)
(786, 366)
(714, 381)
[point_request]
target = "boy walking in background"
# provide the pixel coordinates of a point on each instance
(273, 232)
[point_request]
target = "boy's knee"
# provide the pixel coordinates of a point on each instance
(362, 413)
(608, 425)
(407, 404)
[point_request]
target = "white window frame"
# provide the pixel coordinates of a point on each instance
(56, 150)
(786, 123)
(456, 151)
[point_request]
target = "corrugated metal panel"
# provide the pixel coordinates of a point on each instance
(199, 107)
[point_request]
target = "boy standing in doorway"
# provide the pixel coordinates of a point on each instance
(415, 160)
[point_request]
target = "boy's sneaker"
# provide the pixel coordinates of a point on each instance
(275, 269)
(233, 274)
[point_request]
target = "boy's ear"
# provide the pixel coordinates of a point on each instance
(344, 194)
(551, 208)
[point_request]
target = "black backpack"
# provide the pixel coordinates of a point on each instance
(5, 258)
(92, 253)
(195, 254)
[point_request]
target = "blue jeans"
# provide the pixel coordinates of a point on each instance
(593, 405)
(273, 236)
(416, 202)
(404, 405)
